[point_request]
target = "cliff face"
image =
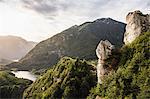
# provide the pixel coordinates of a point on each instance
(104, 49)
(137, 23)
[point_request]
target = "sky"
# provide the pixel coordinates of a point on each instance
(37, 20)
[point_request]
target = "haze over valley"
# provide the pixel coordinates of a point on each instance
(13, 48)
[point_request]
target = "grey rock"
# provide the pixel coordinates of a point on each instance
(103, 51)
(137, 23)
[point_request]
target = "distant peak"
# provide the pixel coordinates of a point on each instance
(104, 19)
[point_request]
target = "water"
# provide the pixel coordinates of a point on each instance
(25, 75)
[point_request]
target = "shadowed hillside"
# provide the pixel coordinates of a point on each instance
(77, 41)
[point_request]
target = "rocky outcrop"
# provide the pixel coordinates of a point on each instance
(137, 23)
(103, 51)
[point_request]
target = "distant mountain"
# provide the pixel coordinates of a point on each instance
(13, 48)
(77, 41)
(5, 61)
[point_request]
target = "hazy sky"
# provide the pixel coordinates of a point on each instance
(37, 20)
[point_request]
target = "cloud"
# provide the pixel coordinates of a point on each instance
(40, 6)
(85, 8)
(53, 16)
(1, 0)
(55, 7)
(52, 9)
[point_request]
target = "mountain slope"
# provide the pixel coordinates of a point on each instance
(13, 48)
(70, 78)
(132, 78)
(77, 41)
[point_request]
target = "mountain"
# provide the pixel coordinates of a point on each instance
(77, 41)
(12, 87)
(5, 61)
(69, 79)
(13, 48)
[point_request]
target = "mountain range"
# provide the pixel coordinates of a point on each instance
(77, 41)
(13, 48)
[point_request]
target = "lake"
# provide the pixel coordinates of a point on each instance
(25, 75)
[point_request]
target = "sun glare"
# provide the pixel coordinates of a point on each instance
(23, 23)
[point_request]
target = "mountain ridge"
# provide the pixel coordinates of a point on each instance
(76, 41)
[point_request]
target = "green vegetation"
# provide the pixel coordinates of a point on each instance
(12, 87)
(73, 78)
(70, 78)
(131, 80)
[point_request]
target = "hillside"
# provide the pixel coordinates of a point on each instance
(12, 87)
(70, 78)
(77, 41)
(132, 78)
(13, 48)
(73, 78)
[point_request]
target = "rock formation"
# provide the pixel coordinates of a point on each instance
(137, 23)
(103, 51)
